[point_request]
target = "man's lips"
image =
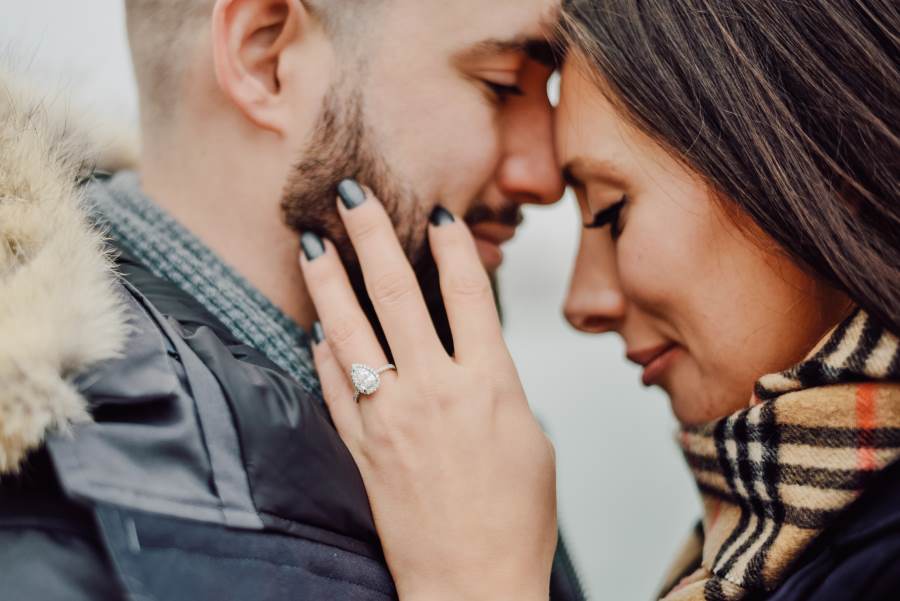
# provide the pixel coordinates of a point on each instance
(489, 236)
(494, 232)
(654, 360)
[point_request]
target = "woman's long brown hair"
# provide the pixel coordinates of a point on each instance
(788, 109)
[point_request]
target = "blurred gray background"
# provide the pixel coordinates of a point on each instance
(625, 496)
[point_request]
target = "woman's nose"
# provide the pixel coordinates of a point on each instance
(595, 311)
(595, 303)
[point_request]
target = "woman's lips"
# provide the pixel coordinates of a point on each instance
(489, 237)
(655, 361)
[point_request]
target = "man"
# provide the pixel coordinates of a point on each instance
(161, 433)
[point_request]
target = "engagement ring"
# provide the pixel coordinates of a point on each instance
(366, 380)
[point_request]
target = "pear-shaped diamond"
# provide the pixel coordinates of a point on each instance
(365, 379)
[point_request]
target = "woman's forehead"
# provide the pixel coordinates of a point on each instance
(589, 129)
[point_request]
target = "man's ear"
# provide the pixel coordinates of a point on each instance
(249, 38)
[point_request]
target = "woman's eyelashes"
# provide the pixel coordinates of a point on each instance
(503, 91)
(609, 216)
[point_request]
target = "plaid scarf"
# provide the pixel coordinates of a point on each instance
(772, 477)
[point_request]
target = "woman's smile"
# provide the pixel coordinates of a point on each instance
(655, 361)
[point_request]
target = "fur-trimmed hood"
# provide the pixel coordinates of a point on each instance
(59, 312)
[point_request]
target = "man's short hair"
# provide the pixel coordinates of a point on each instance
(162, 35)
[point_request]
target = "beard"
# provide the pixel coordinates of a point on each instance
(343, 145)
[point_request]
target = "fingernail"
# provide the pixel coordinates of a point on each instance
(312, 245)
(318, 334)
(441, 216)
(352, 195)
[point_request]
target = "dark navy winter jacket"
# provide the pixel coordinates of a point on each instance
(207, 473)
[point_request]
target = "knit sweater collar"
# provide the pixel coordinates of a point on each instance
(173, 252)
(774, 476)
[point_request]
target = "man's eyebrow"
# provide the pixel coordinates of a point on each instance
(537, 49)
(543, 52)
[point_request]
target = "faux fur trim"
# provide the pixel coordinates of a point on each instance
(59, 311)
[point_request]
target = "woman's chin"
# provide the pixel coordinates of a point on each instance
(686, 413)
(688, 397)
(694, 404)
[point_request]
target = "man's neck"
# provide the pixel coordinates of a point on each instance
(233, 208)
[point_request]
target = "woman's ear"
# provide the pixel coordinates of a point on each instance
(249, 39)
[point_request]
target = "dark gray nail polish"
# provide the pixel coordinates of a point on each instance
(312, 245)
(352, 195)
(441, 216)
(318, 333)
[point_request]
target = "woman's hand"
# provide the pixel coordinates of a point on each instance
(460, 477)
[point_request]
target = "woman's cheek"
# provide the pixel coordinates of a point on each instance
(650, 272)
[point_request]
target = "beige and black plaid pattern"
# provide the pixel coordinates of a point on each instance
(773, 476)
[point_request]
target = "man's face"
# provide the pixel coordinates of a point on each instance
(438, 103)
(425, 111)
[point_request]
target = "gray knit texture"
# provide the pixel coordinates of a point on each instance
(170, 251)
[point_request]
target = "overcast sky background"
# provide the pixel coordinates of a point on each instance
(625, 496)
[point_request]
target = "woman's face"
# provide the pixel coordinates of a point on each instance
(705, 306)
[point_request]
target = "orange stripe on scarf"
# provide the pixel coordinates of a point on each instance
(866, 420)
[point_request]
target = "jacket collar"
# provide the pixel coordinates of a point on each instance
(60, 312)
(171, 251)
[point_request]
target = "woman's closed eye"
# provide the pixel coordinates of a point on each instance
(503, 91)
(609, 216)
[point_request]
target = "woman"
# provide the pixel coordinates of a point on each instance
(736, 167)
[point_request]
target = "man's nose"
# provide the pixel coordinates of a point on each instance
(531, 176)
(528, 171)
(595, 303)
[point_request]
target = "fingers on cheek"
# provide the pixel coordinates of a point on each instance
(467, 291)
(449, 240)
(365, 224)
(456, 233)
(345, 335)
(366, 216)
(467, 286)
(392, 289)
(323, 271)
(456, 255)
